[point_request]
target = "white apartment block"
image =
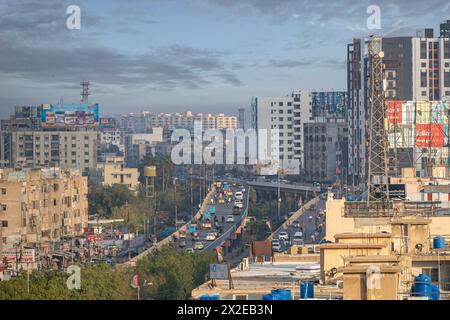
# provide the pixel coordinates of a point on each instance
(287, 114)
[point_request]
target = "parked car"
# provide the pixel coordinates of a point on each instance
(230, 219)
(198, 246)
(210, 237)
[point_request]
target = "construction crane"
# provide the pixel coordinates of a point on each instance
(377, 179)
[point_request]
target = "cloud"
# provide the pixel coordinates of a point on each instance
(320, 63)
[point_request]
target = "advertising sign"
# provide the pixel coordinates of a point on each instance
(394, 112)
(108, 123)
(430, 135)
(69, 115)
(218, 271)
(18, 255)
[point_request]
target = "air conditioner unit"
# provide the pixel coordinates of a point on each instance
(240, 296)
(340, 284)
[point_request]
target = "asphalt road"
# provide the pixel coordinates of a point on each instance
(310, 223)
(222, 211)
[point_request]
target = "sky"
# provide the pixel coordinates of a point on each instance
(178, 55)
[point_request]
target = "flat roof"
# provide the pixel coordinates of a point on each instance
(363, 269)
(351, 246)
(351, 235)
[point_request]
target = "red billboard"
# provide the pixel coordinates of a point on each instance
(394, 112)
(430, 135)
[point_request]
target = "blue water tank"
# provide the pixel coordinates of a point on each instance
(282, 294)
(307, 290)
(268, 296)
(209, 297)
(438, 242)
(204, 297)
(421, 287)
(435, 292)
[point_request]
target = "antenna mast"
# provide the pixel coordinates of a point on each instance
(85, 91)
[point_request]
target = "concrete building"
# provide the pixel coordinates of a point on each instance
(139, 145)
(39, 206)
(416, 68)
(145, 121)
(113, 171)
(65, 149)
(287, 114)
(326, 144)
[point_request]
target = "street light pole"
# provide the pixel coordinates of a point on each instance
(175, 201)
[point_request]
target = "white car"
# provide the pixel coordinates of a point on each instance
(198, 246)
(189, 250)
(210, 237)
(238, 204)
(230, 219)
(283, 236)
(276, 246)
(238, 195)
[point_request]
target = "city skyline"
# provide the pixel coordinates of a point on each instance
(199, 55)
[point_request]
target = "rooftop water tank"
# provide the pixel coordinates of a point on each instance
(283, 294)
(306, 290)
(438, 242)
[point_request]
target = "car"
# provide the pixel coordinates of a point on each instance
(236, 210)
(239, 195)
(239, 205)
(230, 219)
(243, 190)
(276, 247)
(182, 243)
(221, 201)
(310, 217)
(283, 236)
(189, 250)
(298, 237)
(198, 246)
(275, 241)
(210, 237)
(296, 224)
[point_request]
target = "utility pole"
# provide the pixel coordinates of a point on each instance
(175, 201)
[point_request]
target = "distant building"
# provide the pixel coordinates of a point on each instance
(39, 206)
(137, 146)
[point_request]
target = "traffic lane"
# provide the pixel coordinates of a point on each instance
(222, 210)
(308, 226)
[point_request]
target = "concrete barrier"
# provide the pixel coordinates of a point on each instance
(297, 214)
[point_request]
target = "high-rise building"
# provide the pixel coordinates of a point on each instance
(326, 144)
(417, 68)
(287, 114)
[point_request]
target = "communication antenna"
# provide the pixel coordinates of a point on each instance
(85, 91)
(377, 182)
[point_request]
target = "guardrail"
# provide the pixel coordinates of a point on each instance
(297, 214)
(226, 235)
(168, 240)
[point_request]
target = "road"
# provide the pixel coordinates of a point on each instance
(222, 212)
(310, 223)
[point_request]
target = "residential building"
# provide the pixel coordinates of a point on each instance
(288, 115)
(326, 144)
(39, 206)
(137, 146)
(113, 171)
(65, 149)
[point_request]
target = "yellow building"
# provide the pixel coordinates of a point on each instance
(113, 171)
(41, 206)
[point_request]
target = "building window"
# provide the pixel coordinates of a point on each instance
(3, 191)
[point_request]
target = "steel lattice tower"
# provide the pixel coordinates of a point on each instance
(377, 179)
